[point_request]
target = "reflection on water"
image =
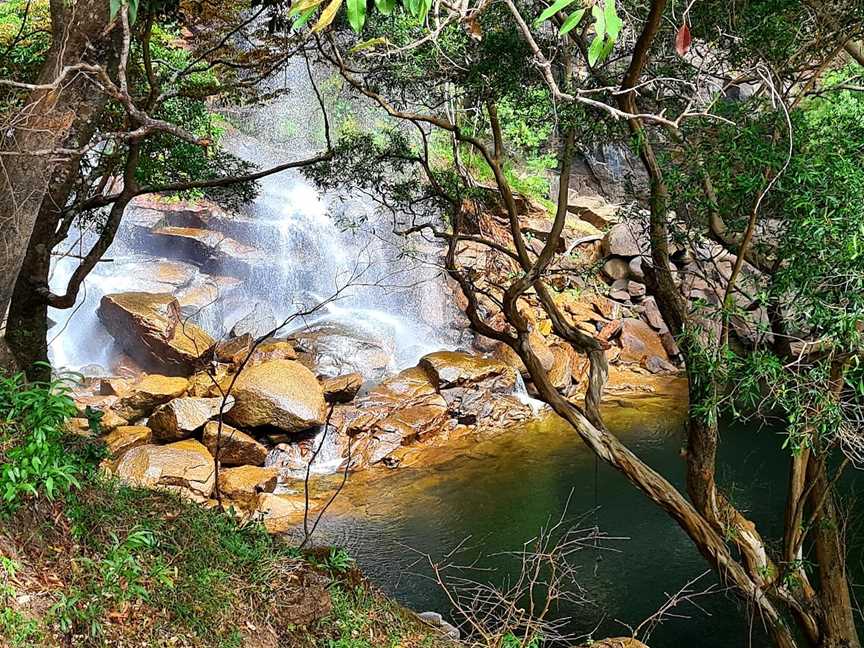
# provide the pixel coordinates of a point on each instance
(500, 492)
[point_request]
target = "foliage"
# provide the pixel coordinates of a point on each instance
(33, 460)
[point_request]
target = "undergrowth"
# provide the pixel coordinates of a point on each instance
(88, 561)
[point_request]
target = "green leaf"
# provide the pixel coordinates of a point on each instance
(599, 20)
(114, 8)
(133, 11)
(303, 18)
(327, 15)
(595, 49)
(385, 6)
(572, 20)
(357, 14)
(613, 22)
(369, 44)
(557, 6)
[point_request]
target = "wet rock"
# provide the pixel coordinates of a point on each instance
(273, 350)
(244, 483)
(336, 349)
(281, 393)
(141, 397)
(181, 417)
(623, 240)
(639, 341)
(279, 513)
(437, 621)
(149, 327)
(659, 366)
(205, 293)
(342, 389)
(126, 437)
(449, 369)
(235, 447)
(261, 320)
(184, 466)
(234, 350)
(213, 251)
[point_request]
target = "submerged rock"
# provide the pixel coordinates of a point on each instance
(235, 447)
(279, 513)
(184, 466)
(280, 393)
(151, 329)
(179, 418)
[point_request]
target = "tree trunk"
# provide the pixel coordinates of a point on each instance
(838, 628)
(56, 115)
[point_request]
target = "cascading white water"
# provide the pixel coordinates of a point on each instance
(400, 306)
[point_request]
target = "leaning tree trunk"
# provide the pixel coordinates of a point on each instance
(38, 137)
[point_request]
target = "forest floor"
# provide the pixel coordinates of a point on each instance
(111, 565)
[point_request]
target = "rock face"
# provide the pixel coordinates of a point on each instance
(184, 466)
(257, 322)
(179, 418)
(281, 393)
(139, 399)
(235, 447)
(244, 483)
(150, 328)
(126, 437)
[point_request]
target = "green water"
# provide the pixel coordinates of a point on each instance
(501, 492)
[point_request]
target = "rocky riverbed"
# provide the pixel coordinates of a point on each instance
(239, 411)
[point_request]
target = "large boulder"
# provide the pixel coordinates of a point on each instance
(126, 437)
(279, 513)
(639, 342)
(448, 369)
(213, 251)
(342, 389)
(243, 484)
(151, 329)
(235, 447)
(181, 417)
(624, 240)
(184, 466)
(140, 398)
(280, 393)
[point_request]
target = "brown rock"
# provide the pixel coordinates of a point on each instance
(235, 447)
(504, 353)
(562, 367)
(233, 351)
(150, 328)
(594, 210)
(179, 418)
(211, 383)
(638, 341)
(453, 368)
(342, 389)
(635, 289)
(126, 437)
(244, 483)
(150, 391)
(652, 314)
(410, 386)
(616, 268)
(281, 393)
(273, 350)
(279, 513)
(623, 240)
(184, 466)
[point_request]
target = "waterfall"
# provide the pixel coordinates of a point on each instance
(400, 305)
(520, 391)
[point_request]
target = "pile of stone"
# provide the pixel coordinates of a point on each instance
(262, 413)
